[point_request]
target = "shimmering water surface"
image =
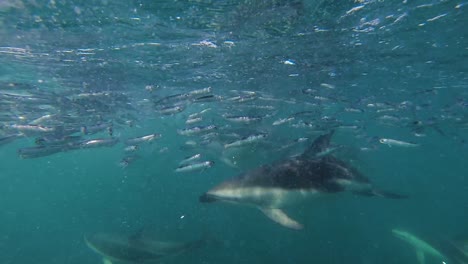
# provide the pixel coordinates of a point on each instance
(78, 79)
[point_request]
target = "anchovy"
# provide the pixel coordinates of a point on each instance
(196, 130)
(384, 110)
(243, 119)
(41, 119)
(301, 139)
(210, 135)
(265, 107)
(354, 110)
(127, 160)
(195, 115)
(32, 128)
(173, 99)
(393, 142)
(131, 148)
(348, 127)
(206, 98)
(138, 140)
(204, 111)
(200, 91)
(190, 159)
(246, 98)
(91, 95)
(195, 166)
(193, 120)
(304, 113)
(90, 130)
(95, 143)
(282, 121)
(170, 110)
(242, 98)
(247, 140)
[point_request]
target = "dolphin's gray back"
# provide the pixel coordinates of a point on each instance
(121, 249)
(319, 174)
(137, 249)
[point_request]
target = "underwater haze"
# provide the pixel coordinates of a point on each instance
(116, 116)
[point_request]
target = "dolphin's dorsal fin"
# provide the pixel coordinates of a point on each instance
(320, 145)
(281, 218)
(106, 261)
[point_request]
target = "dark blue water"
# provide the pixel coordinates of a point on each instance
(367, 69)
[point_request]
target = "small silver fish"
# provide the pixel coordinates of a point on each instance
(195, 166)
(127, 161)
(89, 130)
(195, 130)
(193, 120)
(190, 159)
(243, 119)
(399, 143)
(132, 148)
(170, 110)
(247, 140)
(138, 140)
(353, 110)
(41, 119)
(282, 121)
(201, 91)
(31, 128)
(95, 143)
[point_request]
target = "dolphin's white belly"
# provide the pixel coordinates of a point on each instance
(263, 197)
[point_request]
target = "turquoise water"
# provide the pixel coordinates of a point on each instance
(367, 69)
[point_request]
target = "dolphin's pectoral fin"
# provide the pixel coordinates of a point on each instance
(281, 218)
(420, 256)
(106, 261)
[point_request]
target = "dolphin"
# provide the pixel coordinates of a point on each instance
(124, 249)
(272, 187)
(458, 248)
(462, 245)
(443, 249)
(422, 247)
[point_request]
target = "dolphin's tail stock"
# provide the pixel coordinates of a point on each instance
(382, 193)
(389, 195)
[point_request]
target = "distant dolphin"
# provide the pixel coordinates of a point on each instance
(118, 248)
(458, 249)
(450, 251)
(462, 244)
(274, 186)
(422, 247)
